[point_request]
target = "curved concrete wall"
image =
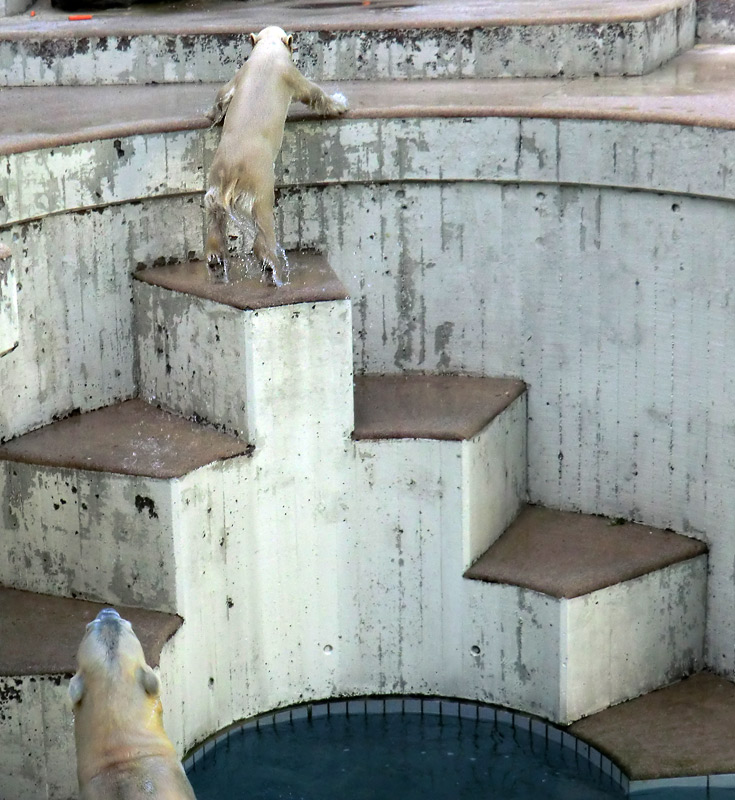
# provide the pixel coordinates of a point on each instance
(588, 257)
(418, 43)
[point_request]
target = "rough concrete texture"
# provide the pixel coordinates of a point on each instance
(568, 555)
(590, 290)
(632, 637)
(716, 21)
(41, 633)
(684, 729)
(37, 739)
(75, 305)
(693, 89)
(562, 658)
(429, 406)
(11, 7)
(89, 534)
(188, 341)
(131, 438)
(87, 510)
(8, 303)
(412, 529)
(421, 40)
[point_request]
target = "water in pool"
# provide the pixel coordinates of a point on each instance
(406, 756)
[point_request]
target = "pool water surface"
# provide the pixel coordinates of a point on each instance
(394, 756)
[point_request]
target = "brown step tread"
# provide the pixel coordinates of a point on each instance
(564, 554)
(696, 88)
(130, 438)
(683, 730)
(311, 280)
(429, 406)
(40, 634)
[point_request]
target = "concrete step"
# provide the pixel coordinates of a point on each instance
(94, 505)
(243, 356)
(208, 40)
(677, 737)
(422, 436)
(628, 602)
(716, 21)
(40, 635)
(440, 471)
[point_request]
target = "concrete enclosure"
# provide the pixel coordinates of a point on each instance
(579, 269)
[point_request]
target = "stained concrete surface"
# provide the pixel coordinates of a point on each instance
(40, 634)
(130, 438)
(563, 554)
(311, 280)
(697, 88)
(227, 16)
(429, 406)
(684, 729)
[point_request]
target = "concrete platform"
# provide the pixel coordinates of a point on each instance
(96, 506)
(624, 605)
(429, 406)
(41, 633)
(697, 89)
(311, 280)
(131, 438)
(192, 330)
(207, 40)
(568, 555)
(682, 730)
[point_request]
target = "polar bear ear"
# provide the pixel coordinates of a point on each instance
(149, 681)
(76, 689)
(288, 41)
(254, 39)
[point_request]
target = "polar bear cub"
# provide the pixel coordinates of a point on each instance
(241, 180)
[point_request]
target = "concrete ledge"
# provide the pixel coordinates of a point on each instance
(680, 731)
(696, 88)
(567, 555)
(132, 438)
(429, 406)
(41, 633)
(426, 39)
(311, 280)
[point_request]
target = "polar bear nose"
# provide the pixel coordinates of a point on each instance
(108, 613)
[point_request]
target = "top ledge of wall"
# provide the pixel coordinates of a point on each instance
(696, 89)
(311, 280)
(130, 438)
(234, 16)
(41, 634)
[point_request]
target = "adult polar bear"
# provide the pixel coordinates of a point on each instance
(123, 752)
(241, 181)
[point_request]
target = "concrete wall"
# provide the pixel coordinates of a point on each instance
(530, 255)
(716, 21)
(555, 48)
(8, 303)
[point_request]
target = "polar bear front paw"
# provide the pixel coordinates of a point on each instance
(339, 103)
